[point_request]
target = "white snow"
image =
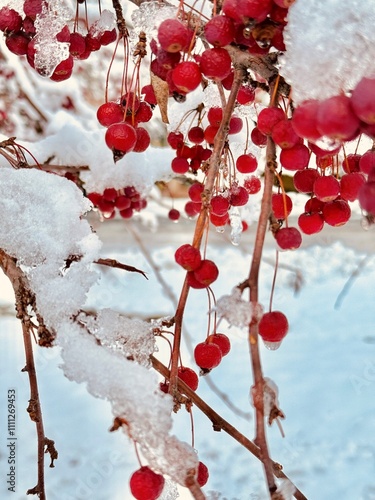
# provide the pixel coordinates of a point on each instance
(329, 47)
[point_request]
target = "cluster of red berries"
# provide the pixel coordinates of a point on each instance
(201, 273)
(127, 201)
(20, 38)
(255, 26)
(122, 119)
(208, 354)
(145, 484)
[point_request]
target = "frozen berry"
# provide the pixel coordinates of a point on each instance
(203, 475)
(221, 340)
(273, 326)
(188, 376)
(188, 257)
(288, 238)
(121, 137)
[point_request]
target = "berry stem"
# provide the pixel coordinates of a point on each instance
(253, 281)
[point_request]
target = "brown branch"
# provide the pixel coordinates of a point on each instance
(25, 299)
(219, 423)
(258, 388)
(118, 265)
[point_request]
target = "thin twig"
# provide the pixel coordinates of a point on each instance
(118, 265)
(258, 388)
(354, 275)
(25, 299)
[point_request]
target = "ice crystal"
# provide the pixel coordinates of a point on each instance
(236, 311)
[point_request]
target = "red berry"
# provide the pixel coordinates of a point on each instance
(10, 20)
(304, 180)
(268, 118)
(207, 356)
(336, 213)
(295, 158)
(221, 340)
(33, 7)
(336, 119)
(246, 163)
(123, 202)
(252, 184)
(288, 238)
(219, 220)
(196, 135)
(148, 92)
(180, 165)
(351, 163)
(326, 188)
(273, 326)
(203, 475)
(121, 137)
(145, 484)
(77, 44)
(63, 70)
(363, 100)
(174, 214)
(246, 94)
(367, 161)
(195, 192)
(219, 205)
(235, 125)
(311, 223)
(304, 120)
(214, 116)
(188, 376)
(215, 63)
(110, 194)
(350, 184)
(258, 138)
(366, 197)
(173, 36)
(219, 31)
(210, 134)
(314, 205)
(143, 140)
(239, 196)
(109, 113)
(281, 205)
(206, 273)
(192, 209)
(284, 135)
(188, 257)
(18, 43)
(186, 76)
(175, 139)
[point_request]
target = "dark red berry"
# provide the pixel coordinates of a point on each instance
(145, 484)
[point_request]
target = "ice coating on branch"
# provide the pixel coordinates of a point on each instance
(287, 489)
(133, 392)
(148, 17)
(235, 310)
(236, 226)
(49, 51)
(330, 46)
(106, 22)
(133, 338)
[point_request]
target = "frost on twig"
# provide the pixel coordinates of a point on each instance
(266, 399)
(236, 311)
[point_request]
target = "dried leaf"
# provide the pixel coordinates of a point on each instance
(161, 90)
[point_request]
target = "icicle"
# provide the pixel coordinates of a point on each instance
(236, 225)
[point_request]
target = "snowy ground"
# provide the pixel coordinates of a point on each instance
(325, 371)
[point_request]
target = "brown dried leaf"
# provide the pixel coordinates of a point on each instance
(161, 90)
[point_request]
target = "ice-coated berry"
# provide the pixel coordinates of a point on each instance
(273, 326)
